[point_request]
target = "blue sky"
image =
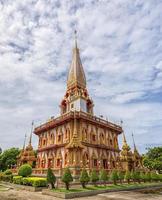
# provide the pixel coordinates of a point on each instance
(121, 49)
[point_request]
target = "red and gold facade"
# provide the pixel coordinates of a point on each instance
(77, 138)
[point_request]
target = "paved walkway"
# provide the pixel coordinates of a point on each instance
(26, 195)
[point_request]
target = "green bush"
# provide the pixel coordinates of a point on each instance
(84, 178)
(138, 176)
(154, 176)
(121, 176)
(1, 176)
(51, 179)
(148, 176)
(127, 176)
(8, 172)
(34, 181)
(143, 177)
(25, 170)
(7, 178)
(114, 177)
(133, 176)
(17, 180)
(67, 178)
(103, 176)
(94, 177)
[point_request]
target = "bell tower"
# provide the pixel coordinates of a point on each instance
(76, 97)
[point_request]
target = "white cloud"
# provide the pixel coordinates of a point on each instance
(120, 44)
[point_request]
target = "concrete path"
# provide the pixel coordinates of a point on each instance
(26, 195)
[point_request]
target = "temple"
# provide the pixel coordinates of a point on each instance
(27, 154)
(77, 138)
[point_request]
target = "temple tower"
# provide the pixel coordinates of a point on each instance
(76, 97)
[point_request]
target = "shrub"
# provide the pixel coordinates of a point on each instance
(121, 176)
(114, 177)
(67, 178)
(133, 176)
(25, 170)
(143, 176)
(7, 178)
(8, 172)
(138, 176)
(94, 177)
(154, 176)
(34, 181)
(84, 178)
(148, 176)
(1, 176)
(51, 179)
(103, 176)
(17, 180)
(127, 176)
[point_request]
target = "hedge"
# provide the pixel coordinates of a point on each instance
(17, 180)
(35, 181)
(8, 172)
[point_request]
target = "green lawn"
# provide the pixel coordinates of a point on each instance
(108, 187)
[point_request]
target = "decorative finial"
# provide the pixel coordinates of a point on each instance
(75, 33)
(133, 142)
(24, 141)
(30, 140)
(124, 138)
(121, 122)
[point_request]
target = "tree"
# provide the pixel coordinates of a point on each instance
(94, 177)
(51, 178)
(103, 176)
(25, 170)
(114, 176)
(121, 176)
(84, 178)
(127, 176)
(153, 159)
(8, 158)
(67, 178)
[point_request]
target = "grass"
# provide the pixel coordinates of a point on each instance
(101, 187)
(3, 188)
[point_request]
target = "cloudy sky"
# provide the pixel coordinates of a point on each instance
(121, 49)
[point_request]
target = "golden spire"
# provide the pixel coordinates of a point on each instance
(76, 74)
(135, 148)
(134, 142)
(24, 142)
(30, 140)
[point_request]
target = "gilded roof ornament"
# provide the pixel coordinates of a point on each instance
(76, 76)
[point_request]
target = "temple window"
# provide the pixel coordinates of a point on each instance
(111, 142)
(43, 164)
(105, 166)
(58, 162)
(72, 105)
(49, 163)
(66, 159)
(59, 138)
(94, 138)
(44, 142)
(95, 162)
